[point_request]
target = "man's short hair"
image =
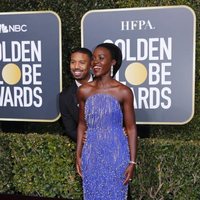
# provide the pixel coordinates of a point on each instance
(82, 50)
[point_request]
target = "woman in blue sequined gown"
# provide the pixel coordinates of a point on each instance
(106, 161)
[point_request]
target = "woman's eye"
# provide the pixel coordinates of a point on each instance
(98, 58)
(101, 57)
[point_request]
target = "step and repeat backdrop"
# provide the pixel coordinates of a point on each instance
(158, 47)
(30, 66)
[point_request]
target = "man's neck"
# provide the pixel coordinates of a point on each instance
(81, 82)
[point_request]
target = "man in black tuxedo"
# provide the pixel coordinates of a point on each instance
(80, 64)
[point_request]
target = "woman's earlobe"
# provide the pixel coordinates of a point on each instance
(114, 62)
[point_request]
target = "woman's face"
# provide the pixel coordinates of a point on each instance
(102, 61)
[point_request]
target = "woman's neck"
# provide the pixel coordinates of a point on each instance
(103, 82)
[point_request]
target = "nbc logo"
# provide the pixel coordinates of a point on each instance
(3, 28)
(13, 28)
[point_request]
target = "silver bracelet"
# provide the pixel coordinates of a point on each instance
(132, 162)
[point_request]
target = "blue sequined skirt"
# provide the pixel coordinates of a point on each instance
(105, 158)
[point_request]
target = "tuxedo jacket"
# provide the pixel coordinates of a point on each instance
(69, 110)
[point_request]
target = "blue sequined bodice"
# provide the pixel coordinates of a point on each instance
(105, 154)
(103, 111)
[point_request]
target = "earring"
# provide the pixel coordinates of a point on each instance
(111, 71)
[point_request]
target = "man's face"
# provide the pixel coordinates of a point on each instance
(80, 64)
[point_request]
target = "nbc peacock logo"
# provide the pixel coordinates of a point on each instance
(3, 28)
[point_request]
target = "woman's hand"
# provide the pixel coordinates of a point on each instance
(78, 166)
(85, 137)
(129, 173)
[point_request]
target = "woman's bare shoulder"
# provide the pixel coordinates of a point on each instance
(123, 87)
(85, 90)
(125, 90)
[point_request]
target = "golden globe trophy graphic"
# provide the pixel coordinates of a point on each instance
(11, 74)
(136, 73)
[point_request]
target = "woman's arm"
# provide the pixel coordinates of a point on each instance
(131, 130)
(80, 130)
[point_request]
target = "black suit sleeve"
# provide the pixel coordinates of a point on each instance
(68, 120)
